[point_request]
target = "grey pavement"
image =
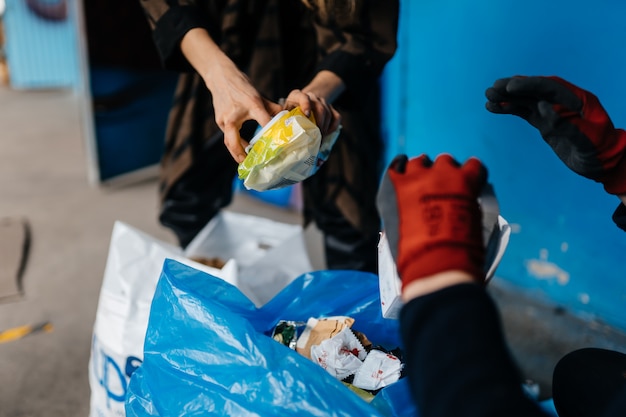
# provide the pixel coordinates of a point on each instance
(43, 178)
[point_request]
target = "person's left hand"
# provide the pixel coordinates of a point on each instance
(326, 117)
(571, 120)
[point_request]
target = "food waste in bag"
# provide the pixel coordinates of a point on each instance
(289, 149)
(343, 352)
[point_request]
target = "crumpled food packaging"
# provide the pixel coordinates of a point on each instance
(341, 355)
(317, 330)
(289, 149)
(379, 369)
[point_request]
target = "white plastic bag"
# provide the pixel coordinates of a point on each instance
(269, 254)
(261, 257)
(132, 270)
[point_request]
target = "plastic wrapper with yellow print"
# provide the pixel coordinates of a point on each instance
(289, 149)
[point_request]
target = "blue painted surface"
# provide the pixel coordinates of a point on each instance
(282, 197)
(450, 52)
(41, 53)
(130, 133)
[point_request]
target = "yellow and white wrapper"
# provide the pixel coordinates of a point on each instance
(289, 149)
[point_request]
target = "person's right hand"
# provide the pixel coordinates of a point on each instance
(431, 216)
(326, 117)
(235, 101)
(571, 120)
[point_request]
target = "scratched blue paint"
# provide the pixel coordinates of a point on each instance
(450, 52)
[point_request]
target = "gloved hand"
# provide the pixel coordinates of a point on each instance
(431, 216)
(571, 120)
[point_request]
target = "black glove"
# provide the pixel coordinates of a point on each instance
(571, 120)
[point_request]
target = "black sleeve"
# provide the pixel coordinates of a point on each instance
(357, 47)
(457, 360)
(170, 20)
(617, 407)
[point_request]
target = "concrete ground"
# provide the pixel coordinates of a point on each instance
(43, 179)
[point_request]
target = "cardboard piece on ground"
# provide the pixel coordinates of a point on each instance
(14, 248)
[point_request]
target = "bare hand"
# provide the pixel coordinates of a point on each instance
(326, 117)
(235, 101)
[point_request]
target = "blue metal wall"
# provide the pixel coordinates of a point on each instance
(565, 246)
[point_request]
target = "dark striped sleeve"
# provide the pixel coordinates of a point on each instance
(170, 20)
(358, 47)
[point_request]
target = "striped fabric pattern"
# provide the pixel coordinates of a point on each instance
(280, 45)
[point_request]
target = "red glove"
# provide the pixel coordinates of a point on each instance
(431, 216)
(571, 120)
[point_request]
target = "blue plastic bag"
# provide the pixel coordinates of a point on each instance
(207, 349)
